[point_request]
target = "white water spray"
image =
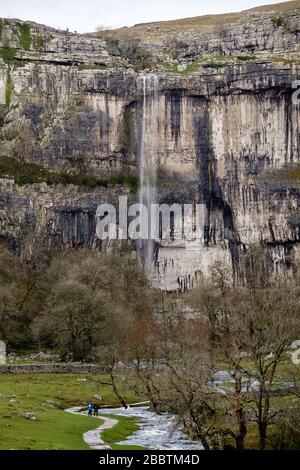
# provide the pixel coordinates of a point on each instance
(148, 157)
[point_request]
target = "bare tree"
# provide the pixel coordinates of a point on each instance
(271, 321)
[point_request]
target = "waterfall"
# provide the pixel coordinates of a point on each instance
(148, 160)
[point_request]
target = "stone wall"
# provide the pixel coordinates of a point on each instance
(52, 368)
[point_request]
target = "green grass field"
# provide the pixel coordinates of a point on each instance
(48, 395)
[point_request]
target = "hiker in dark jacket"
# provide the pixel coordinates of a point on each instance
(96, 409)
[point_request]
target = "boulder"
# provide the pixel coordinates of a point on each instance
(30, 415)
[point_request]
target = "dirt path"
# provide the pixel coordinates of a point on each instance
(93, 438)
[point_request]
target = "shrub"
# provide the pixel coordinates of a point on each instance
(1, 28)
(3, 112)
(246, 57)
(113, 46)
(178, 48)
(24, 36)
(214, 65)
(7, 52)
(8, 88)
(139, 57)
(277, 21)
(129, 49)
(39, 42)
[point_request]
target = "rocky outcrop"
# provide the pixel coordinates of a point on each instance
(226, 132)
(38, 43)
(273, 29)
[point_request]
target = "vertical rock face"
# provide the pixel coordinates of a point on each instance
(226, 132)
(51, 217)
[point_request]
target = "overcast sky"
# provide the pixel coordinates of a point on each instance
(86, 15)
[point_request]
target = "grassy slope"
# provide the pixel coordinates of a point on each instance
(282, 6)
(54, 428)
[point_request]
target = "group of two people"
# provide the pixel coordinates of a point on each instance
(93, 409)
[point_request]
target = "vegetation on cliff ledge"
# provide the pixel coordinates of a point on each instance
(29, 173)
(1, 28)
(9, 86)
(7, 52)
(24, 36)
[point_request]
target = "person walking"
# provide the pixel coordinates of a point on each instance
(90, 409)
(96, 409)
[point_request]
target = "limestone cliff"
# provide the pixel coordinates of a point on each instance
(227, 133)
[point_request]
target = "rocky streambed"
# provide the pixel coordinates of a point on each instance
(156, 432)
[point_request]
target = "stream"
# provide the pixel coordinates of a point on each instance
(156, 432)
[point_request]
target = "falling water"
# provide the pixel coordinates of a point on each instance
(148, 160)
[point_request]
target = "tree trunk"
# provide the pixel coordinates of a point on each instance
(116, 391)
(240, 438)
(240, 415)
(262, 428)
